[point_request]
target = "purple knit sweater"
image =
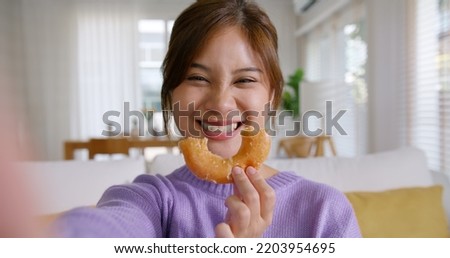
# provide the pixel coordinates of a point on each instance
(181, 205)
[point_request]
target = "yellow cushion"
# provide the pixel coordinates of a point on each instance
(406, 212)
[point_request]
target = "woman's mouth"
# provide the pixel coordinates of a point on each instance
(219, 130)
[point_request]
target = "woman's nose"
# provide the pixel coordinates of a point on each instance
(220, 100)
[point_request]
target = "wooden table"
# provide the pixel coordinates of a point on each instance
(115, 145)
(71, 146)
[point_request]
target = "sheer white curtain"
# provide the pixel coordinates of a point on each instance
(107, 63)
(78, 61)
(49, 63)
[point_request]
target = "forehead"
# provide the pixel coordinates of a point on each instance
(230, 40)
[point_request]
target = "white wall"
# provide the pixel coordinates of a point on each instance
(281, 12)
(163, 9)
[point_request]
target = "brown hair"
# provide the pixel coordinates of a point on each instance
(198, 22)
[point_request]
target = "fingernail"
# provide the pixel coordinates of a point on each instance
(251, 170)
(236, 170)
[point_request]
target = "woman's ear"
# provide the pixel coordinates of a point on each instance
(271, 95)
(271, 98)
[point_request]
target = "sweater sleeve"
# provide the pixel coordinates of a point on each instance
(341, 220)
(134, 210)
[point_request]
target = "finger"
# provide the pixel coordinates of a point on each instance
(238, 215)
(235, 189)
(246, 190)
(236, 172)
(265, 192)
(223, 230)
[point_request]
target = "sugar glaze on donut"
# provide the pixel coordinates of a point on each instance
(209, 166)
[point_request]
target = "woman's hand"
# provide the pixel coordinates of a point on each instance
(16, 198)
(250, 208)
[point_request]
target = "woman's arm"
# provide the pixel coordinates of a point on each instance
(123, 211)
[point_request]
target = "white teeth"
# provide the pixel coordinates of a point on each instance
(220, 129)
(214, 128)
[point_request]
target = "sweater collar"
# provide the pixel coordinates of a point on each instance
(277, 182)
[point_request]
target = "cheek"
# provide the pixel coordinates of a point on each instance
(177, 96)
(257, 101)
(186, 96)
(256, 108)
(184, 107)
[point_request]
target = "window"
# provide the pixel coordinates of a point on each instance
(335, 70)
(428, 91)
(154, 37)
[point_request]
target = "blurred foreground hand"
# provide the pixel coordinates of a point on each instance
(16, 206)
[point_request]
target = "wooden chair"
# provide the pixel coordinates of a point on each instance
(304, 146)
(108, 146)
(299, 146)
(320, 145)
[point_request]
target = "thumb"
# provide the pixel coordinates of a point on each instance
(223, 230)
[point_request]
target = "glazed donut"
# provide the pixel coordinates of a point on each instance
(208, 166)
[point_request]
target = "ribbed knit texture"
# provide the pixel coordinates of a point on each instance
(181, 205)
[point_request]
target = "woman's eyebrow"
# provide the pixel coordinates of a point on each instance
(200, 66)
(240, 70)
(248, 69)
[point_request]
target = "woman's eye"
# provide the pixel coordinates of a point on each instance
(196, 78)
(245, 80)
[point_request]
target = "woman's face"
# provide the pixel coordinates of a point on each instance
(225, 87)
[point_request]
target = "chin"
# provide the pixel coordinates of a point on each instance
(224, 149)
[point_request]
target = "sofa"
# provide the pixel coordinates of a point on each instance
(393, 193)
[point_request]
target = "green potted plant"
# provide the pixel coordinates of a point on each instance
(291, 93)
